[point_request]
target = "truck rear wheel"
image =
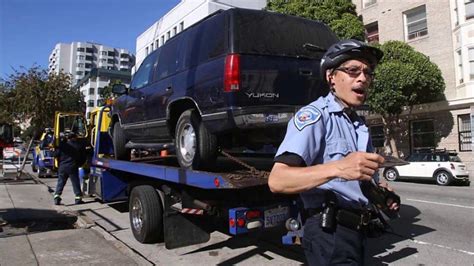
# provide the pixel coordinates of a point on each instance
(196, 147)
(146, 214)
(119, 141)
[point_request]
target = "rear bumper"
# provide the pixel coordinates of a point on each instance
(249, 118)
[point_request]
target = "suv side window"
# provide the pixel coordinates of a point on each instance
(206, 41)
(142, 76)
(169, 59)
(211, 38)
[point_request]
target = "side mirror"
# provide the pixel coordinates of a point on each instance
(119, 89)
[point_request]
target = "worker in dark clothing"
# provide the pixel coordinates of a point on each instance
(72, 155)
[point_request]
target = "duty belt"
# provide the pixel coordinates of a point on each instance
(353, 219)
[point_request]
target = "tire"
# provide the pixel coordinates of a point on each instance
(146, 214)
(196, 147)
(443, 178)
(119, 141)
(391, 174)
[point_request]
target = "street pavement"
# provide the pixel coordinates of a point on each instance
(33, 231)
(434, 228)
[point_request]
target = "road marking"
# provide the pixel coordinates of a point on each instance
(441, 246)
(440, 203)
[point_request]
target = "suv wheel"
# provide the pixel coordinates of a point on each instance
(196, 147)
(119, 141)
(391, 174)
(443, 178)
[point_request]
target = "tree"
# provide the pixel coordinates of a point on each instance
(339, 15)
(37, 95)
(106, 92)
(404, 78)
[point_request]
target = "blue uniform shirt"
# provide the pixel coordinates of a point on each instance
(322, 132)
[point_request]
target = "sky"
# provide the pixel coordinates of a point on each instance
(29, 29)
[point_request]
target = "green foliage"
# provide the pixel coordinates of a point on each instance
(404, 77)
(35, 96)
(339, 15)
(106, 92)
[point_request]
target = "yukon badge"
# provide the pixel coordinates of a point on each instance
(266, 95)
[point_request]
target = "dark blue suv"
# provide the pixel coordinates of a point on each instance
(234, 79)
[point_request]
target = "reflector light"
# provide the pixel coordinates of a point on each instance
(217, 183)
(240, 222)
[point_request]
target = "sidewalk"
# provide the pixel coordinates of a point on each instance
(33, 231)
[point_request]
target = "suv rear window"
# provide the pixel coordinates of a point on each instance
(257, 32)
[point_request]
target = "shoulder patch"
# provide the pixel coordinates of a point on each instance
(306, 116)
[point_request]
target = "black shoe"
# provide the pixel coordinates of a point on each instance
(57, 201)
(79, 202)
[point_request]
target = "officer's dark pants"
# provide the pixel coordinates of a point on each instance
(63, 175)
(343, 246)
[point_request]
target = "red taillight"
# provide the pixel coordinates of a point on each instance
(252, 214)
(452, 167)
(231, 222)
(240, 222)
(217, 183)
(232, 73)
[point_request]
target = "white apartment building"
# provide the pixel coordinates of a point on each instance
(92, 84)
(444, 31)
(183, 15)
(79, 58)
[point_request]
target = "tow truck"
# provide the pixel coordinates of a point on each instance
(181, 207)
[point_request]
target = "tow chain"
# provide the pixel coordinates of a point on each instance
(254, 171)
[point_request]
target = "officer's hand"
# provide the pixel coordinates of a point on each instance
(359, 165)
(391, 203)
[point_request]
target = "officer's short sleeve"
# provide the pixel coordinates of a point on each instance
(304, 135)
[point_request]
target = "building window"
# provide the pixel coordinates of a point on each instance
(470, 52)
(469, 9)
(175, 31)
(372, 32)
(91, 91)
(146, 50)
(465, 132)
(81, 57)
(367, 3)
(79, 73)
(157, 43)
(152, 47)
(416, 25)
(377, 135)
(81, 49)
(80, 65)
(422, 135)
(90, 103)
(168, 35)
(460, 70)
(181, 26)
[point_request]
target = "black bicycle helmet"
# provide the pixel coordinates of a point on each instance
(345, 50)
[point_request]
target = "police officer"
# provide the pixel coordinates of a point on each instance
(327, 154)
(72, 155)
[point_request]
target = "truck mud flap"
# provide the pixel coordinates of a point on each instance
(182, 230)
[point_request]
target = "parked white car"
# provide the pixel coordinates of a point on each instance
(442, 166)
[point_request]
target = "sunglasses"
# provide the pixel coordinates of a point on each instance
(355, 71)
